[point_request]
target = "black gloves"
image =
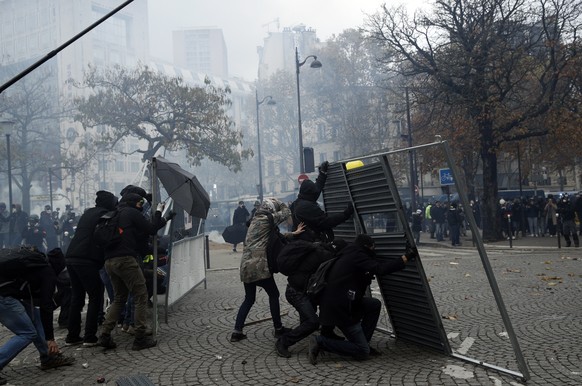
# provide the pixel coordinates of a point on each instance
(411, 252)
(349, 210)
(170, 215)
(323, 167)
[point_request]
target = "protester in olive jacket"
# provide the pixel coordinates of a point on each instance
(254, 268)
(124, 271)
(84, 260)
(319, 224)
(343, 302)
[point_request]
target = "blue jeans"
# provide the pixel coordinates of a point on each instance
(455, 234)
(129, 311)
(439, 231)
(107, 283)
(308, 320)
(26, 327)
(357, 335)
(270, 287)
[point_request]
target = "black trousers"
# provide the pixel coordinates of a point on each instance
(85, 279)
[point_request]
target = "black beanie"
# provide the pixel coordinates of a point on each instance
(106, 200)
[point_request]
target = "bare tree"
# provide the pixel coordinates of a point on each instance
(503, 64)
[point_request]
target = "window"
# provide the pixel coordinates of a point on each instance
(321, 132)
(284, 186)
(397, 128)
(119, 166)
(336, 155)
(282, 168)
(322, 157)
(270, 168)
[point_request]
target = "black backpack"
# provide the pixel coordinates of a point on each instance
(274, 246)
(107, 232)
(16, 262)
(318, 280)
(293, 254)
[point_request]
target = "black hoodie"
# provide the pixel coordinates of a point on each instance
(305, 209)
(82, 250)
(136, 228)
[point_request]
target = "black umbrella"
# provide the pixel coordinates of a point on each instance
(183, 187)
(235, 234)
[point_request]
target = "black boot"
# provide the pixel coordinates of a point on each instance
(106, 341)
(143, 342)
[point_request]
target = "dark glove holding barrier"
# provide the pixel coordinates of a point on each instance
(323, 167)
(170, 216)
(411, 252)
(349, 210)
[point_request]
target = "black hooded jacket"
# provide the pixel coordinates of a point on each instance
(136, 228)
(82, 250)
(354, 270)
(305, 209)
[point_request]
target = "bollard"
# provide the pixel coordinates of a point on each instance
(207, 251)
(559, 230)
(510, 231)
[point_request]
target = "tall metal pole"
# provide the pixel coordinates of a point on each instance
(301, 161)
(9, 172)
(410, 155)
(259, 149)
(50, 173)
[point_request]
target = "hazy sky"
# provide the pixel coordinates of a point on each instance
(245, 23)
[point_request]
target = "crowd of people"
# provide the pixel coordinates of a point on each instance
(47, 230)
(83, 268)
(342, 304)
(522, 217)
(552, 216)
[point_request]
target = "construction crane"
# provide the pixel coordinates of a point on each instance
(268, 25)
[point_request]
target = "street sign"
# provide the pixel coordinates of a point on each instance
(46, 197)
(302, 177)
(446, 177)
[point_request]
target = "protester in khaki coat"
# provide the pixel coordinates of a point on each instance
(254, 269)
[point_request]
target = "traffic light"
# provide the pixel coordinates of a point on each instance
(308, 160)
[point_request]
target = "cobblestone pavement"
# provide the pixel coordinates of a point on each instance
(540, 284)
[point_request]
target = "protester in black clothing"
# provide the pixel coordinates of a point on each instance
(343, 302)
(34, 234)
(305, 257)
(578, 209)
(26, 308)
(18, 223)
(455, 220)
(319, 224)
(50, 226)
(416, 226)
(84, 260)
(567, 217)
(240, 216)
(125, 272)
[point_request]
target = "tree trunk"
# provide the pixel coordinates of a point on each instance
(491, 223)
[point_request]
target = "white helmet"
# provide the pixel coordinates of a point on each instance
(502, 202)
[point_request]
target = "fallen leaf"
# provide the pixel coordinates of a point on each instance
(450, 317)
(513, 270)
(453, 263)
(467, 275)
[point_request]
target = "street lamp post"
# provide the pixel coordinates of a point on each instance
(411, 156)
(314, 64)
(269, 100)
(6, 126)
